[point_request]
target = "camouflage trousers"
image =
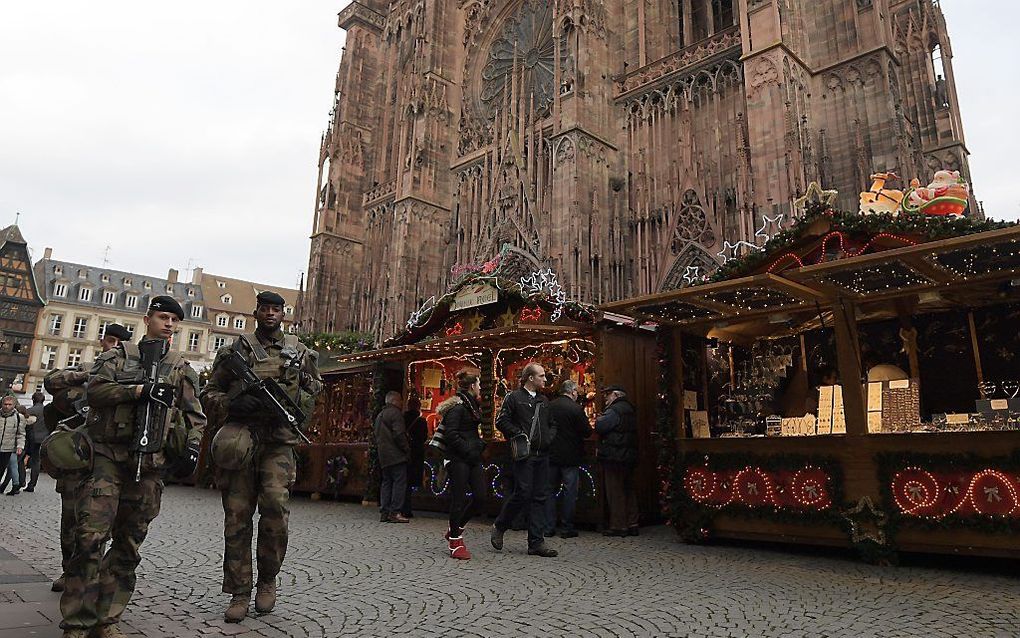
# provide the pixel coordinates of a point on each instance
(69, 497)
(112, 506)
(265, 484)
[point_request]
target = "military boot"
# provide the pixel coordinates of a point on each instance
(108, 631)
(76, 633)
(265, 597)
(238, 608)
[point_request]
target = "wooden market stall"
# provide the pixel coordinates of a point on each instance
(494, 323)
(854, 383)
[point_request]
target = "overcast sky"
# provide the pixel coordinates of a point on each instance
(185, 134)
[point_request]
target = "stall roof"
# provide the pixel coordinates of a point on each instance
(497, 338)
(956, 271)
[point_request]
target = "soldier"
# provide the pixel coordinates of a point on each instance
(121, 494)
(254, 453)
(59, 383)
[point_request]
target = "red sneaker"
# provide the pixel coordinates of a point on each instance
(458, 550)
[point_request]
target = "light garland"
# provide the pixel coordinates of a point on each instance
(734, 250)
(990, 493)
(545, 282)
(768, 222)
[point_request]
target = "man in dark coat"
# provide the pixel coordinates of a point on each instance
(392, 447)
(618, 455)
(37, 432)
(565, 456)
(525, 413)
(417, 437)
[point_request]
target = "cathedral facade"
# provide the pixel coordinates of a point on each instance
(621, 143)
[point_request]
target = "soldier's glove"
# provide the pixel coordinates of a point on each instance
(159, 392)
(244, 405)
(188, 463)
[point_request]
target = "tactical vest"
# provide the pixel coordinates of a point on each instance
(285, 366)
(117, 423)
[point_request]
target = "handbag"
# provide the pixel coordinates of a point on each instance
(520, 444)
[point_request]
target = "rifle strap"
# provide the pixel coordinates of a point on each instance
(132, 356)
(256, 349)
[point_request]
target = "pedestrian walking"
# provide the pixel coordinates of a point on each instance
(392, 447)
(417, 438)
(253, 452)
(68, 407)
(565, 456)
(524, 420)
(121, 494)
(618, 454)
(12, 443)
(34, 438)
(462, 416)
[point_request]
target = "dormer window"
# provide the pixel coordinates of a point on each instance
(147, 285)
(191, 292)
(221, 284)
(227, 299)
(104, 278)
(84, 294)
(288, 310)
(169, 289)
(58, 270)
(196, 311)
(59, 290)
(127, 281)
(82, 273)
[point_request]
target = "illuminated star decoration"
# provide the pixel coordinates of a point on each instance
(425, 311)
(732, 252)
(816, 196)
(473, 322)
(506, 320)
(770, 227)
(545, 282)
(692, 275)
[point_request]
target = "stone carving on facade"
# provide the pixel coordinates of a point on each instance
(527, 46)
(763, 73)
(682, 61)
(588, 16)
(357, 12)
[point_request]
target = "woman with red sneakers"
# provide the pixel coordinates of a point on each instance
(461, 417)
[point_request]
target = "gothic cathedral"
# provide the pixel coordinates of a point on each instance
(618, 142)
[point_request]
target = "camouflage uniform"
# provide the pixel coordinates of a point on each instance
(113, 505)
(58, 381)
(267, 482)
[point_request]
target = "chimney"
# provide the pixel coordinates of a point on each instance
(48, 253)
(196, 276)
(171, 276)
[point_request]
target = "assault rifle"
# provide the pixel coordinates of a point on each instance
(151, 416)
(268, 391)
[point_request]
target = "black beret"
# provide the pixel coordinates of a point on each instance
(613, 388)
(163, 303)
(117, 330)
(270, 298)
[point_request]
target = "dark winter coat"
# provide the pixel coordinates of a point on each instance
(572, 428)
(391, 436)
(617, 428)
(515, 417)
(461, 418)
(417, 435)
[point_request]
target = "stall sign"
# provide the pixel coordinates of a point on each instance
(473, 296)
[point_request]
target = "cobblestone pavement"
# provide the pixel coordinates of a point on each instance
(347, 574)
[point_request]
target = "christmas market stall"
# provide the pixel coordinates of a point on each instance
(494, 320)
(854, 381)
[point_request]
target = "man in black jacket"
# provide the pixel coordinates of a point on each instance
(618, 455)
(525, 413)
(565, 456)
(392, 447)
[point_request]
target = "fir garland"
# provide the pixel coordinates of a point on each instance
(338, 342)
(664, 424)
(925, 227)
(693, 521)
(890, 463)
